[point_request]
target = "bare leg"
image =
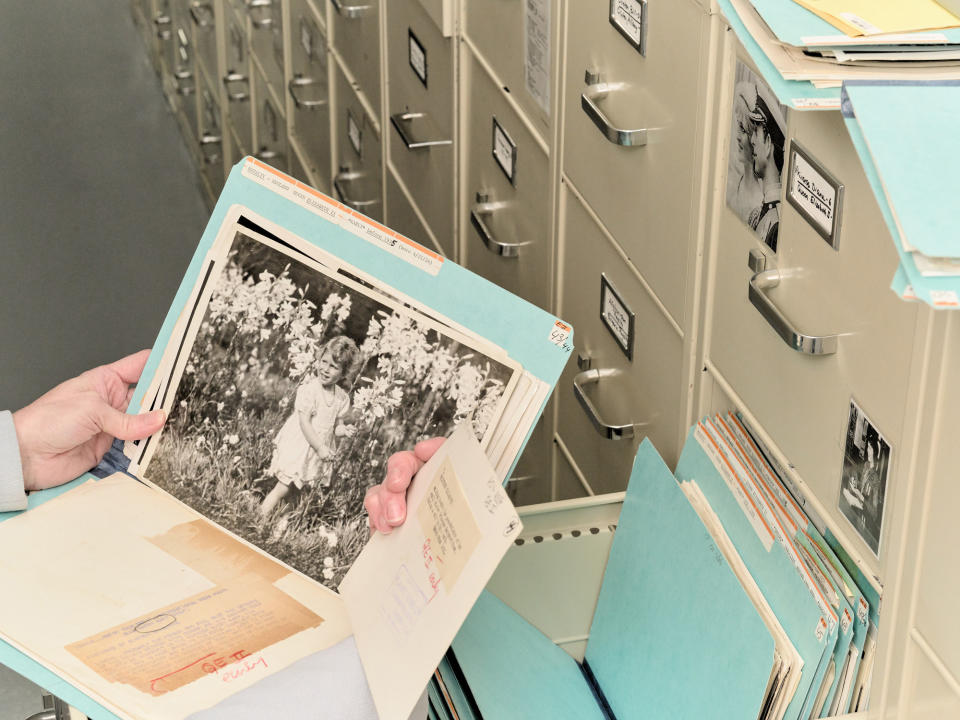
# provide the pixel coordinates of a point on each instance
(273, 498)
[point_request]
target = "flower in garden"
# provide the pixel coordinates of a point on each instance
(232, 439)
(328, 574)
(328, 562)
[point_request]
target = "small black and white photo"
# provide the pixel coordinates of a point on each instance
(294, 386)
(863, 485)
(755, 161)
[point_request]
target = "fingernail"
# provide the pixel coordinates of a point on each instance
(394, 512)
(161, 415)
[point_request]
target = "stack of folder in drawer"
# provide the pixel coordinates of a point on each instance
(720, 599)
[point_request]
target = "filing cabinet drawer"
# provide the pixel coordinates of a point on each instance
(237, 81)
(309, 88)
(266, 40)
(644, 193)
(163, 44)
(402, 217)
(355, 33)
(184, 78)
(271, 141)
(421, 110)
(531, 481)
(357, 146)
(204, 18)
(568, 485)
(505, 223)
(210, 138)
(803, 400)
(623, 391)
(442, 14)
(518, 38)
(298, 170)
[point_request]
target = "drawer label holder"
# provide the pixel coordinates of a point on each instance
(629, 17)
(417, 56)
(815, 193)
(505, 151)
(617, 316)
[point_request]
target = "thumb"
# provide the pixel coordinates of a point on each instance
(130, 427)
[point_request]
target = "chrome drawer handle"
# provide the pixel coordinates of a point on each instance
(162, 23)
(346, 176)
(478, 212)
(161, 19)
(232, 78)
(202, 14)
(597, 90)
(267, 155)
(806, 344)
(250, 4)
(261, 16)
(402, 122)
(610, 432)
(350, 12)
(208, 142)
(299, 81)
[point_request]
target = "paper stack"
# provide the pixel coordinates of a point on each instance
(906, 136)
(719, 599)
(805, 58)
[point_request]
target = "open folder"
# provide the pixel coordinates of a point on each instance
(306, 343)
(680, 629)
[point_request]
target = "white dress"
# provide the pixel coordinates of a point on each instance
(294, 460)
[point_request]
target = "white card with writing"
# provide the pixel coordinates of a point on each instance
(409, 592)
(815, 193)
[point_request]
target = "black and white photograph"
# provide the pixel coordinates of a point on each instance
(863, 486)
(756, 157)
(294, 386)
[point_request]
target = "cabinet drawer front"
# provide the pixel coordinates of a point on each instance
(402, 217)
(356, 181)
(271, 142)
(645, 389)
(505, 224)
(309, 88)
(355, 33)
(643, 191)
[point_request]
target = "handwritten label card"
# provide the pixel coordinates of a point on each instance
(408, 592)
(816, 194)
(629, 17)
(617, 316)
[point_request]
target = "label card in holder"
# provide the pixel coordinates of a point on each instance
(816, 194)
(617, 316)
(418, 57)
(306, 37)
(629, 17)
(505, 152)
(353, 132)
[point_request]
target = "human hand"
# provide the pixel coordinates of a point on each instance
(386, 503)
(345, 430)
(69, 429)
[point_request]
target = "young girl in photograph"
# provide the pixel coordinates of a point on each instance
(306, 445)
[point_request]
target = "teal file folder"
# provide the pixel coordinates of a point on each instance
(800, 615)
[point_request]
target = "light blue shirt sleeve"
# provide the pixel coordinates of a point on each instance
(12, 496)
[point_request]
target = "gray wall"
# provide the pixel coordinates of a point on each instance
(98, 197)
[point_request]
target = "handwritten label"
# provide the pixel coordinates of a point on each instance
(821, 629)
(845, 621)
(862, 610)
(617, 316)
(816, 103)
(560, 335)
(944, 298)
(536, 51)
(860, 24)
(815, 194)
(354, 133)
(505, 152)
(418, 57)
(627, 16)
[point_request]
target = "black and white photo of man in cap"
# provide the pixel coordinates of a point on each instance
(755, 161)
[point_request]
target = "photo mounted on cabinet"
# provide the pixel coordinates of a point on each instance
(755, 162)
(863, 486)
(293, 384)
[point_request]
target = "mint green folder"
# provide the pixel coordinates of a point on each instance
(674, 633)
(799, 614)
(907, 280)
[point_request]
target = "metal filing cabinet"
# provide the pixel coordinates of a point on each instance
(633, 123)
(355, 36)
(626, 383)
(271, 128)
(309, 90)
(357, 181)
(297, 169)
(518, 40)
(162, 39)
(531, 481)
(236, 81)
(266, 41)
(506, 198)
(421, 106)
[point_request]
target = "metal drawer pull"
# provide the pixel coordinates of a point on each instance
(299, 81)
(207, 142)
(350, 12)
(161, 20)
(202, 14)
(257, 3)
(806, 344)
(597, 90)
(231, 78)
(261, 16)
(610, 432)
(478, 212)
(402, 122)
(345, 176)
(267, 155)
